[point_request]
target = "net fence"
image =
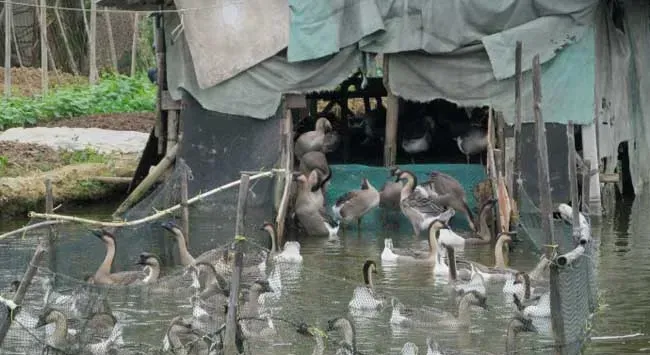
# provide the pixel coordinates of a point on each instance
(573, 287)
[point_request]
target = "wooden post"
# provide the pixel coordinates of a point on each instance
(22, 289)
(49, 208)
(134, 43)
(111, 40)
(586, 179)
(160, 63)
(42, 23)
(8, 20)
(172, 129)
(16, 46)
(500, 143)
(544, 183)
(93, 76)
(184, 205)
(392, 107)
(516, 170)
(573, 179)
(71, 59)
(492, 170)
(287, 157)
(557, 321)
(230, 346)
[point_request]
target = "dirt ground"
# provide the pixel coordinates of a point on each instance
(20, 158)
(138, 121)
(27, 81)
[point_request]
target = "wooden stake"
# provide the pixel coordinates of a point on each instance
(42, 23)
(518, 141)
(172, 129)
(16, 46)
(160, 61)
(392, 109)
(586, 179)
(492, 170)
(85, 18)
(230, 346)
(573, 179)
(71, 59)
(111, 40)
(93, 75)
(49, 208)
(185, 206)
(287, 156)
(8, 20)
(22, 290)
(544, 183)
(557, 322)
(134, 43)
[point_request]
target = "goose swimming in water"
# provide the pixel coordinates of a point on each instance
(103, 275)
(540, 308)
(356, 203)
(389, 195)
(291, 251)
(412, 256)
(182, 339)
(484, 233)
(347, 346)
(365, 297)
(431, 317)
(419, 208)
(499, 272)
(318, 336)
(312, 140)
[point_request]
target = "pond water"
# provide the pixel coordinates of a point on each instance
(323, 286)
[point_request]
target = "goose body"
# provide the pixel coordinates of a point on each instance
(419, 140)
(473, 142)
(290, 252)
(309, 208)
(353, 205)
(348, 346)
(389, 195)
(316, 161)
(182, 339)
(430, 317)
(499, 272)
(419, 208)
(409, 348)
(364, 297)
(539, 309)
(312, 140)
(430, 257)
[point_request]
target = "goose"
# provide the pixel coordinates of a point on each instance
(428, 257)
(310, 210)
(409, 348)
(347, 346)
(539, 309)
(312, 140)
(77, 305)
(251, 325)
(318, 336)
(13, 287)
(62, 339)
(447, 190)
(473, 142)
(389, 195)
(103, 275)
(420, 140)
(356, 203)
(432, 347)
(520, 285)
(365, 297)
(182, 339)
(317, 161)
(475, 283)
(499, 272)
(291, 251)
(484, 233)
(418, 208)
(430, 317)
(515, 326)
(217, 257)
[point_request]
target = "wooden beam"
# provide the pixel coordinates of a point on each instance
(544, 183)
(518, 141)
(49, 242)
(613, 178)
(8, 20)
(392, 106)
(161, 65)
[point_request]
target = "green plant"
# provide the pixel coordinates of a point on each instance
(88, 155)
(113, 94)
(3, 162)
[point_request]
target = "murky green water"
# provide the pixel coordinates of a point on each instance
(322, 288)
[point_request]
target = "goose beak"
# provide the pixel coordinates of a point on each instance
(303, 329)
(167, 225)
(330, 325)
(41, 322)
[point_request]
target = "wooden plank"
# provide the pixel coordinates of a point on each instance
(573, 179)
(159, 39)
(392, 109)
(8, 26)
(150, 157)
(544, 183)
(230, 346)
(167, 103)
(296, 101)
(516, 169)
(172, 129)
(42, 23)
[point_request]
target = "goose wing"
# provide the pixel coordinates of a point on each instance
(422, 203)
(128, 277)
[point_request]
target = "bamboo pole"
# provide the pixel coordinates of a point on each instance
(230, 346)
(518, 141)
(22, 290)
(30, 227)
(147, 182)
(16, 46)
(185, 206)
(160, 64)
(287, 154)
(112, 179)
(134, 43)
(8, 20)
(42, 23)
(85, 18)
(66, 43)
(573, 180)
(586, 179)
(154, 216)
(49, 208)
(93, 76)
(543, 183)
(492, 170)
(392, 107)
(111, 40)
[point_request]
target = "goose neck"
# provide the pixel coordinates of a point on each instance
(484, 229)
(499, 253)
(451, 255)
(367, 277)
(185, 256)
(153, 273)
(174, 340)
(433, 242)
(60, 334)
(105, 267)
(349, 336)
(319, 349)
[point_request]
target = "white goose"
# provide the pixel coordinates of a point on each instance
(365, 297)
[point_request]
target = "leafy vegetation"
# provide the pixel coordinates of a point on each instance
(88, 155)
(113, 94)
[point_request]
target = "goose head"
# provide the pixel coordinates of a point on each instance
(434, 230)
(345, 327)
(369, 267)
(261, 286)
(50, 316)
(270, 229)
(523, 278)
(15, 284)
(105, 236)
(323, 125)
(408, 177)
(148, 259)
(476, 298)
(395, 171)
(171, 226)
(365, 185)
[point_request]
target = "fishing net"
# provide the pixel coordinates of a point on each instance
(574, 286)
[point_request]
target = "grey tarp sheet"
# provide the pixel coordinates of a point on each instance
(256, 92)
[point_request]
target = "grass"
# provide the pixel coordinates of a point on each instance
(88, 155)
(115, 93)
